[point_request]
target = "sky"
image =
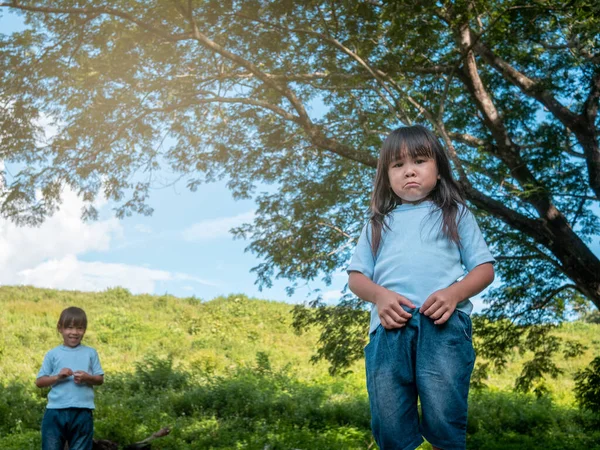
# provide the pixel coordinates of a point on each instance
(183, 249)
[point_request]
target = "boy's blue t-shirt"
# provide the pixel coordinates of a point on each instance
(66, 393)
(415, 259)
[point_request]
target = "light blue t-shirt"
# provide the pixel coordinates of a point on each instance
(66, 393)
(415, 259)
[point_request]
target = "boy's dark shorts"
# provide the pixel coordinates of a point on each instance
(72, 425)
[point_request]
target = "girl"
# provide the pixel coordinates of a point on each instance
(71, 369)
(408, 263)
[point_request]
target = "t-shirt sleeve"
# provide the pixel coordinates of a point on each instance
(96, 367)
(473, 249)
(362, 260)
(47, 366)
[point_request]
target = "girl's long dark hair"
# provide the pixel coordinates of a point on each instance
(415, 141)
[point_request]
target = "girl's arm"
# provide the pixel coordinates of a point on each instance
(391, 313)
(441, 304)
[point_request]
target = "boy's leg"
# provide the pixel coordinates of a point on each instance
(389, 358)
(53, 430)
(445, 359)
(81, 429)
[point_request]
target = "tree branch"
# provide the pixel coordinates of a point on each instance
(434, 70)
(583, 197)
(590, 106)
(97, 11)
(498, 209)
(375, 73)
(582, 125)
(517, 258)
(507, 150)
(239, 100)
(527, 85)
(316, 136)
(572, 43)
(543, 303)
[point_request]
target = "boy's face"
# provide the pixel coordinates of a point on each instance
(72, 335)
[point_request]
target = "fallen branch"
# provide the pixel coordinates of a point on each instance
(104, 444)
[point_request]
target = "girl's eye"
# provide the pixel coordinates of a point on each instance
(398, 164)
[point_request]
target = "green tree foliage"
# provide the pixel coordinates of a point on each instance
(300, 94)
(342, 331)
(587, 386)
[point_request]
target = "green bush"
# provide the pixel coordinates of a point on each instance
(154, 373)
(27, 440)
(21, 407)
(252, 408)
(504, 420)
(587, 386)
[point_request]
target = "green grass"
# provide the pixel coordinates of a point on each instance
(124, 328)
(231, 373)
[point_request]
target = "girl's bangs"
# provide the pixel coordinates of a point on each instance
(404, 150)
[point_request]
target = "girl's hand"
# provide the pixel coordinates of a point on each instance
(391, 313)
(80, 376)
(440, 305)
(64, 373)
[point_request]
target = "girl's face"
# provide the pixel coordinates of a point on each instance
(413, 179)
(72, 335)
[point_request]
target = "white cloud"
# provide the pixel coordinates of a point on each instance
(60, 235)
(70, 273)
(215, 228)
(48, 255)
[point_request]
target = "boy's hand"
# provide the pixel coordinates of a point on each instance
(64, 373)
(80, 376)
(440, 305)
(390, 311)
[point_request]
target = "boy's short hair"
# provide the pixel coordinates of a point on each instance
(72, 316)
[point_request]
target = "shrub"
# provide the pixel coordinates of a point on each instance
(154, 373)
(25, 440)
(21, 408)
(587, 386)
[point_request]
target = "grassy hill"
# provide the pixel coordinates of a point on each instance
(125, 328)
(231, 373)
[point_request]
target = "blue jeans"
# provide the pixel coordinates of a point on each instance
(72, 425)
(426, 361)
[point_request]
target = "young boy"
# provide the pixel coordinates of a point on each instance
(71, 369)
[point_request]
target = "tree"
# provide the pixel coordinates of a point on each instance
(511, 87)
